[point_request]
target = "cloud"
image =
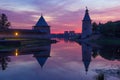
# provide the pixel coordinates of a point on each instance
(110, 14)
(17, 19)
(61, 15)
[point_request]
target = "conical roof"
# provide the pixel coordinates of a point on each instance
(41, 22)
(41, 60)
(86, 17)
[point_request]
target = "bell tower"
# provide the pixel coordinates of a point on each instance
(86, 25)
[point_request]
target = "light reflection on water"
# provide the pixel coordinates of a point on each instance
(61, 61)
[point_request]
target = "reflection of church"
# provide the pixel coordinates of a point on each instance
(86, 55)
(41, 53)
(42, 56)
(107, 52)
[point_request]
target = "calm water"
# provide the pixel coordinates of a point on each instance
(61, 61)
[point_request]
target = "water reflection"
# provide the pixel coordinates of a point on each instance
(108, 72)
(41, 53)
(75, 60)
(86, 55)
(100, 76)
(4, 62)
(105, 51)
(42, 56)
(110, 53)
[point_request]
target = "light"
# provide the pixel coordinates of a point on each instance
(16, 52)
(16, 34)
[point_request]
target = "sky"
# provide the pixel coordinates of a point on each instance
(61, 15)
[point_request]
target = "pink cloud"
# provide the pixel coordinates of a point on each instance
(110, 14)
(59, 19)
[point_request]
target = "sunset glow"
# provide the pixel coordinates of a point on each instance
(60, 15)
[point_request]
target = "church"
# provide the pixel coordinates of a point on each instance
(40, 31)
(86, 25)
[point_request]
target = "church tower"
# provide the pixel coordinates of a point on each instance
(86, 25)
(42, 26)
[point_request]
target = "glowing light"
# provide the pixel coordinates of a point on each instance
(16, 52)
(16, 34)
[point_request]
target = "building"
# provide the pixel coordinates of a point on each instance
(71, 33)
(42, 26)
(41, 31)
(86, 25)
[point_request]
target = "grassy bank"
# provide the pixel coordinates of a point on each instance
(28, 43)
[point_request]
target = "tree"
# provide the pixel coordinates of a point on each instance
(4, 23)
(94, 26)
(110, 29)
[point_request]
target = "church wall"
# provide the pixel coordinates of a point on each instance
(25, 35)
(45, 29)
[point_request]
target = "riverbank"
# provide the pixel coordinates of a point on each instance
(19, 43)
(100, 40)
(107, 41)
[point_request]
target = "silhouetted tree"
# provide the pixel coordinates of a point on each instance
(110, 29)
(4, 23)
(94, 26)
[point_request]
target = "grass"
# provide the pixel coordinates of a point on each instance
(26, 42)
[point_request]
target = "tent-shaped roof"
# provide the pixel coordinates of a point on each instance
(41, 60)
(86, 17)
(41, 22)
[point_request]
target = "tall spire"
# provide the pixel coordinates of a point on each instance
(86, 17)
(86, 25)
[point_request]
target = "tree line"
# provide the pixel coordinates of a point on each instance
(110, 28)
(4, 23)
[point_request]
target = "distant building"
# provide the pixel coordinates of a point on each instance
(86, 25)
(66, 33)
(71, 33)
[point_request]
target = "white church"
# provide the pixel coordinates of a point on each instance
(86, 25)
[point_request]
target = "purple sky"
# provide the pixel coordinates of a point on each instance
(61, 15)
